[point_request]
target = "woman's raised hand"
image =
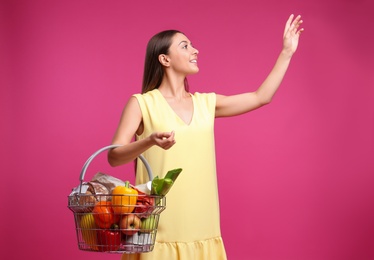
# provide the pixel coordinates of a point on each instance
(165, 140)
(292, 33)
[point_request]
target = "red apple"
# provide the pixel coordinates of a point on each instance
(130, 224)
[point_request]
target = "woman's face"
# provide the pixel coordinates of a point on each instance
(182, 55)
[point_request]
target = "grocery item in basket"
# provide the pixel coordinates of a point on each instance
(144, 203)
(148, 224)
(107, 180)
(124, 198)
(145, 187)
(130, 224)
(104, 215)
(83, 197)
(109, 239)
(162, 186)
(139, 239)
(88, 230)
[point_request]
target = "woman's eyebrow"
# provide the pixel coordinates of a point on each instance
(182, 42)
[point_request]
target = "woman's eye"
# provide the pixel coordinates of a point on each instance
(185, 46)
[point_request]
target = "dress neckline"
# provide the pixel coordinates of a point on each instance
(176, 115)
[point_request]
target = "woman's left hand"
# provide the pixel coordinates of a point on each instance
(291, 34)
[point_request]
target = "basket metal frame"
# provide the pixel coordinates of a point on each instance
(90, 159)
(139, 242)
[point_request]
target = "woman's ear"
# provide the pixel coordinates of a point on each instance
(164, 60)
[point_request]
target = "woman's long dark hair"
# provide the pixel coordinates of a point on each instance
(153, 69)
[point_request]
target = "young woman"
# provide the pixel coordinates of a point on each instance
(174, 128)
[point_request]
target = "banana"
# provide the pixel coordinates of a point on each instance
(88, 230)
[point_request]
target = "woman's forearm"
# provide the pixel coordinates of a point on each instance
(290, 42)
(272, 82)
(128, 152)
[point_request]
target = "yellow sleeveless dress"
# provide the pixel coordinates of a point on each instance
(189, 227)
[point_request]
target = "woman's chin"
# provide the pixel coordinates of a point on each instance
(196, 70)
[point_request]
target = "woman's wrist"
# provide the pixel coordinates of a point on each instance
(286, 53)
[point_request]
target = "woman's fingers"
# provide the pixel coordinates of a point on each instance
(288, 23)
(292, 24)
(165, 139)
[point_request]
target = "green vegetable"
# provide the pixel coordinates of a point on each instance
(173, 174)
(162, 186)
(155, 185)
(167, 184)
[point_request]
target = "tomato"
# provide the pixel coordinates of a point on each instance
(104, 215)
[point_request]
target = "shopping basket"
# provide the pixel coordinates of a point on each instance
(113, 223)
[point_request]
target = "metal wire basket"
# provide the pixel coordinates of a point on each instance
(114, 223)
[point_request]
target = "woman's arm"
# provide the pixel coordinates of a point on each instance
(130, 124)
(242, 103)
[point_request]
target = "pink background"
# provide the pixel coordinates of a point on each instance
(295, 177)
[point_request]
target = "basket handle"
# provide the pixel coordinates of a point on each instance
(89, 160)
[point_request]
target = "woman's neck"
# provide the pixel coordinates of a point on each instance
(173, 87)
